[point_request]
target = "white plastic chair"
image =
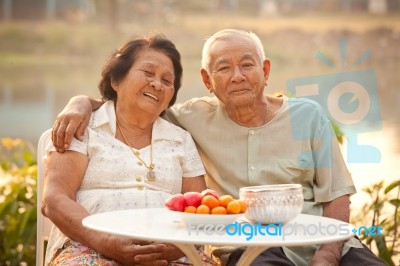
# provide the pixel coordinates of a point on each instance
(43, 223)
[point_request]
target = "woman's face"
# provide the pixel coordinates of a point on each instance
(149, 84)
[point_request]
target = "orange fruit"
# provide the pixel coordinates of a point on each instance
(233, 207)
(219, 210)
(224, 200)
(243, 206)
(210, 201)
(203, 209)
(190, 209)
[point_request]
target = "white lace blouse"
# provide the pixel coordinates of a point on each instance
(115, 181)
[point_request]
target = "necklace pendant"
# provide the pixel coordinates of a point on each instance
(151, 175)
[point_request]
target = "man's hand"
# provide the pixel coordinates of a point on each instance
(330, 254)
(72, 121)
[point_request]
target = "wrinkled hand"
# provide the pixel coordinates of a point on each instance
(325, 258)
(172, 253)
(130, 252)
(72, 121)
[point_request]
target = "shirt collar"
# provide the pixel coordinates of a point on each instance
(105, 115)
(162, 129)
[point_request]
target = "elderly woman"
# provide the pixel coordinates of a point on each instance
(129, 158)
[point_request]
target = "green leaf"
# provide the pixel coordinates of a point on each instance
(392, 186)
(384, 252)
(338, 132)
(5, 166)
(395, 202)
(378, 205)
(367, 190)
(369, 239)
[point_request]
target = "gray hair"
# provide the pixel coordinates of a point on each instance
(229, 34)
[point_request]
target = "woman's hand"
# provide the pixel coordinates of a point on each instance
(172, 253)
(132, 252)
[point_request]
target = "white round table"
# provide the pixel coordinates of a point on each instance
(162, 225)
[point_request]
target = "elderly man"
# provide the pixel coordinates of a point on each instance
(247, 138)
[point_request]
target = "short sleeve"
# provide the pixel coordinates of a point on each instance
(76, 145)
(332, 176)
(192, 165)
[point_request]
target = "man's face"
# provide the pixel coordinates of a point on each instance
(237, 75)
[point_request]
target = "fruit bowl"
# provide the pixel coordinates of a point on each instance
(201, 220)
(271, 204)
(206, 209)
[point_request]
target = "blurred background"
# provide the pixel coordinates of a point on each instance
(51, 50)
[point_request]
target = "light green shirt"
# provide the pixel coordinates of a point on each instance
(297, 146)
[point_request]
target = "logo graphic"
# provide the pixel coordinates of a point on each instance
(350, 99)
(249, 231)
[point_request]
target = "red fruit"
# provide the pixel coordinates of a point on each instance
(193, 198)
(176, 203)
(210, 192)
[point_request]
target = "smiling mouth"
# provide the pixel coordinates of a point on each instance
(151, 96)
(239, 91)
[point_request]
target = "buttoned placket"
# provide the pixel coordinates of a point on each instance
(251, 153)
(139, 179)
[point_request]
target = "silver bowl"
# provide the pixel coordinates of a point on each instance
(271, 204)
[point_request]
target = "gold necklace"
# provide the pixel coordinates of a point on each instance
(151, 175)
